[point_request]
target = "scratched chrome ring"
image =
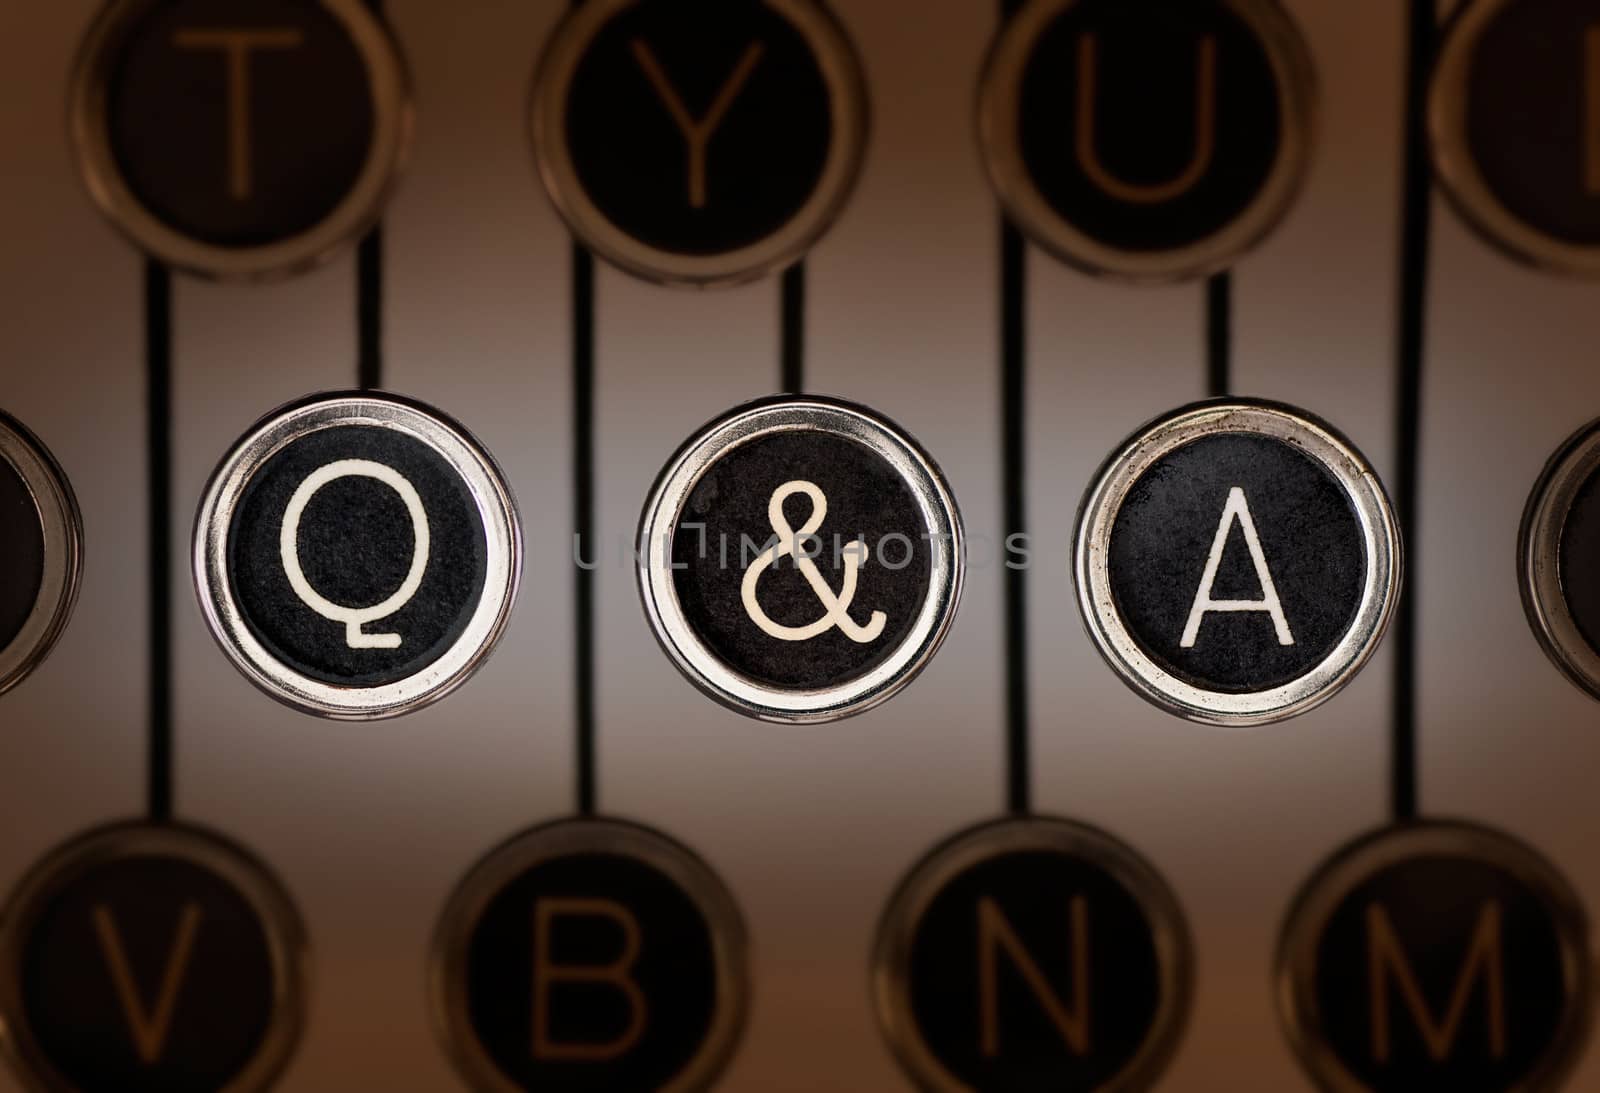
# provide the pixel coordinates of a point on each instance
(496, 509)
(389, 83)
(690, 653)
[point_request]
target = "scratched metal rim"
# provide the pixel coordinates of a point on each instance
(393, 121)
(61, 528)
(496, 509)
(1311, 437)
(999, 105)
(287, 945)
(1539, 558)
(842, 73)
(897, 932)
(452, 938)
(697, 661)
(1296, 967)
(1463, 183)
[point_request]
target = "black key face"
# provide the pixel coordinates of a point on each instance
(1237, 562)
(592, 972)
(1580, 561)
(1033, 955)
(1150, 139)
(1440, 968)
(150, 973)
(357, 555)
(738, 70)
(144, 958)
(354, 500)
(1175, 126)
(240, 122)
(41, 551)
(240, 138)
(21, 553)
(800, 559)
(1232, 520)
(845, 496)
(709, 142)
(589, 956)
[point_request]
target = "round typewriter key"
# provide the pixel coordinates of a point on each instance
(1514, 121)
(1560, 533)
(1436, 956)
(357, 555)
(800, 559)
(588, 955)
(41, 552)
(1033, 954)
(1147, 139)
(151, 957)
(701, 144)
(240, 138)
(1237, 562)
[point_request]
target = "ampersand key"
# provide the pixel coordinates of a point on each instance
(704, 143)
(240, 139)
(1237, 562)
(357, 555)
(800, 559)
(41, 552)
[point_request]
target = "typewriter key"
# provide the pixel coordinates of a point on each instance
(240, 138)
(589, 955)
(357, 555)
(1560, 534)
(41, 552)
(1514, 122)
(700, 144)
(1033, 954)
(1436, 956)
(800, 559)
(1237, 562)
(143, 957)
(1147, 139)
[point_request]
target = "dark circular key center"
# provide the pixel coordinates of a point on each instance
(356, 544)
(1311, 549)
(1183, 118)
(21, 554)
(737, 73)
(580, 934)
(870, 550)
(240, 122)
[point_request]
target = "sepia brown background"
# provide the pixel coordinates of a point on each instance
(371, 825)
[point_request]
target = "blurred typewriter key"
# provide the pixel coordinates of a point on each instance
(587, 955)
(357, 555)
(1237, 562)
(157, 958)
(701, 144)
(1559, 542)
(1514, 121)
(800, 559)
(1436, 956)
(41, 552)
(240, 138)
(1033, 954)
(1147, 139)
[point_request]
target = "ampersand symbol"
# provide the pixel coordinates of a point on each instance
(837, 606)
